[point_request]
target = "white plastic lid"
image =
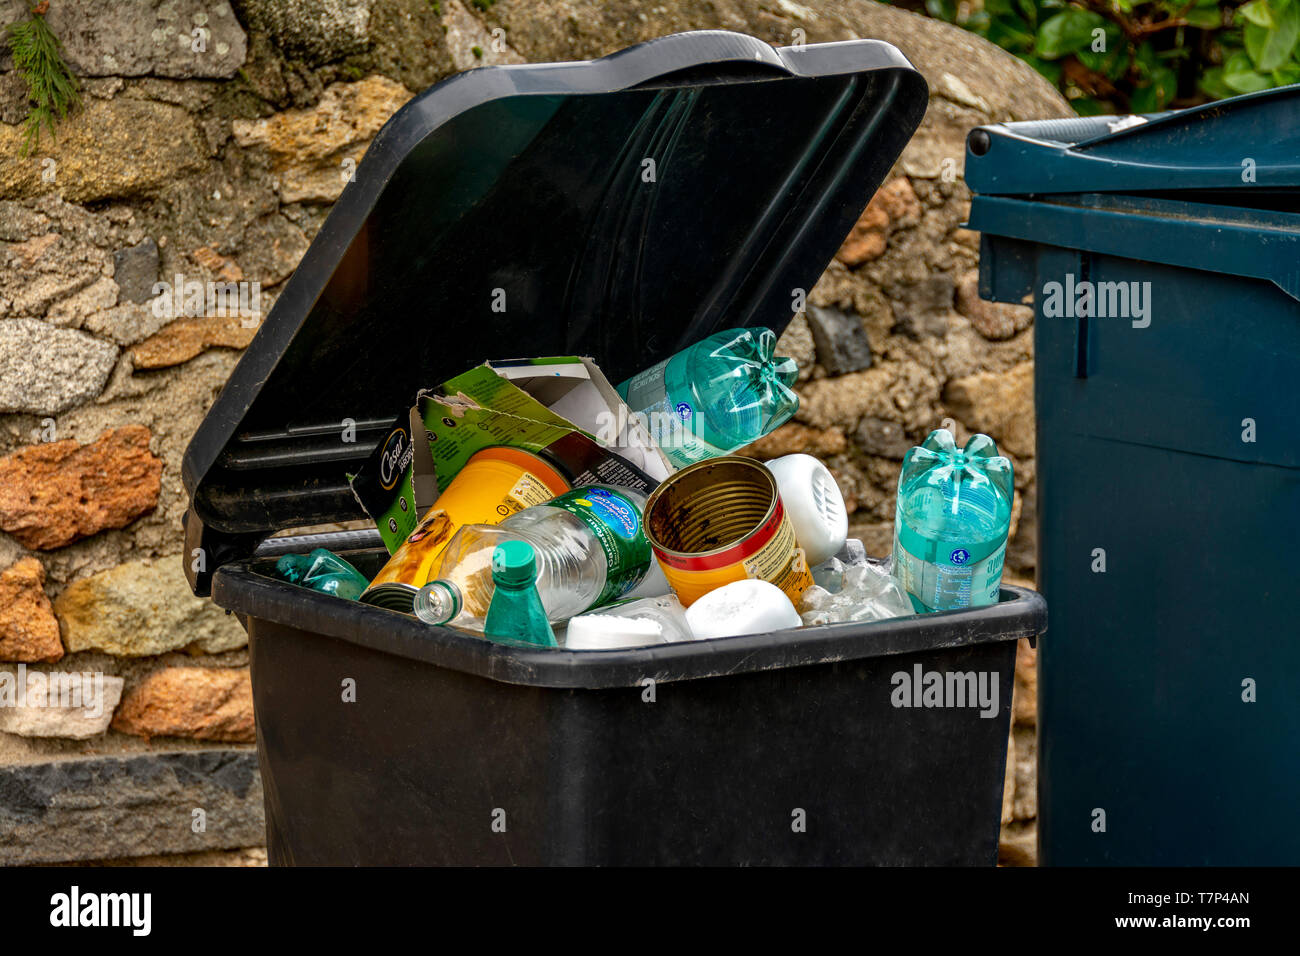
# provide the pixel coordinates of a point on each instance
(595, 632)
(813, 501)
(742, 607)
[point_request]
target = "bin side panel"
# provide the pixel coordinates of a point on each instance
(713, 771)
(422, 767)
(802, 766)
(1142, 465)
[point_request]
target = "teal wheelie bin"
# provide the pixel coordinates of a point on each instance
(1162, 257)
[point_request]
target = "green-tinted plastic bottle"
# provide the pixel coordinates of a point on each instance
(516, 613)
(324, 571)
(723, 392)
(951, 522)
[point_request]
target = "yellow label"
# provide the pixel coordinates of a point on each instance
(772, 558)
(529, 490)
(795, 577)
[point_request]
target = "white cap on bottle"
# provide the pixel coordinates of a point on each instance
(813, 501)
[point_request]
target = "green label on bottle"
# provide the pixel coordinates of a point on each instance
(615, 520)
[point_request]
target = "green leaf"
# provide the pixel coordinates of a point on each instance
(1287, 73)
(1010, 38)
(1145, 100)
(1068, 31)
(1213, 86)
(1165, 83)
(1148, 60)
(1204, 17)
(1028, 10)
(1270, 47)
(1258, 12)
(1240, 76)
(1087, 106)
(1049, 68)
(1114, 62)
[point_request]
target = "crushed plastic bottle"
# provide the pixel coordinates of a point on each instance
(951, 522)
(869, 593)
(830, 573)
(322, 570)
(853, 552)
(590, 550)
(721, 393)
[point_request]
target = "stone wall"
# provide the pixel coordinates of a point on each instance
(211, 141)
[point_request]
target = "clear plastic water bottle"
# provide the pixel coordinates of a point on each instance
(951, 522)
(723, 392)
(590, 550)
(516, 614)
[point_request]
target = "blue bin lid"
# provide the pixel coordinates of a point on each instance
(1247, 142)
(624, 207)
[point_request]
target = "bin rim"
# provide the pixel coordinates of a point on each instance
(242, 589)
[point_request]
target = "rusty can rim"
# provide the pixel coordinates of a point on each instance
(665, 485)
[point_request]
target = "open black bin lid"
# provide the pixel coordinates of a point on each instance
(620, 208)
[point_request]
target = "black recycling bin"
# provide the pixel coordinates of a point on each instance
(625, 208)
(1163, 257)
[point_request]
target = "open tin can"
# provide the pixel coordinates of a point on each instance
(722, 520)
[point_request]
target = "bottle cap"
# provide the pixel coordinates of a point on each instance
(514, 564)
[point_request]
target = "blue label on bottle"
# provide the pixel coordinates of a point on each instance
(616, 523)
(614, 510)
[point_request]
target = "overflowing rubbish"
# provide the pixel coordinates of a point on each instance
(531, 502)
(742, 607)
(720, 521)
(951, 522)
(516, 613)
(323, 571)
(723, 392)
(590, 549)
(504, 405)
(655, 620)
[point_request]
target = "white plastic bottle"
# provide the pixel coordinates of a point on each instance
(813, 501)
(590, 545)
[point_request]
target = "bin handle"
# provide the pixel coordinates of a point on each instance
(331, 540)
(1074, 130)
